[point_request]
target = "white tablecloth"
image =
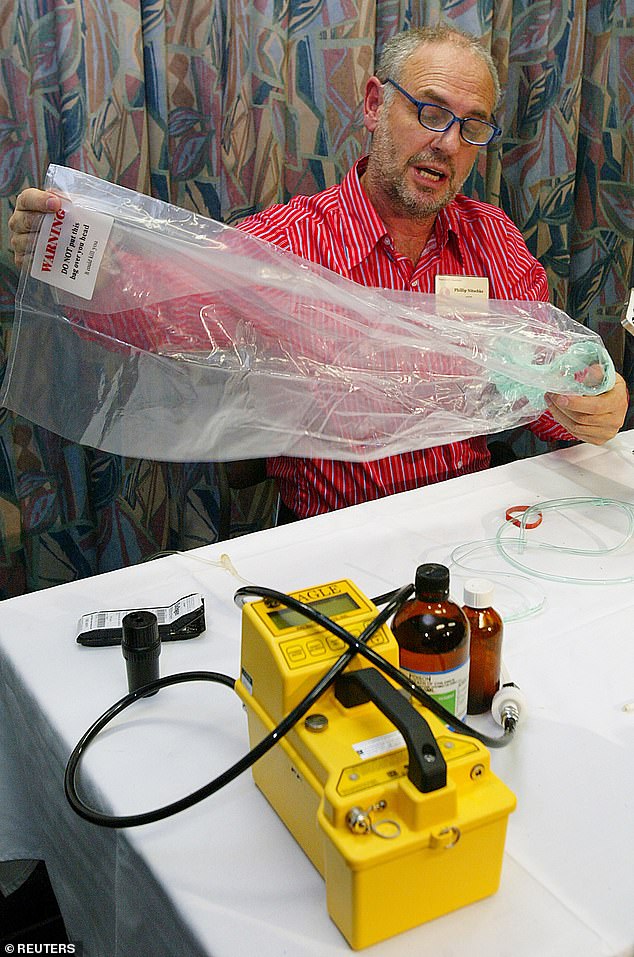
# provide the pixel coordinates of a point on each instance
(225, 877)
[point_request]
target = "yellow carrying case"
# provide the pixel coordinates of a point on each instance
(401, 815)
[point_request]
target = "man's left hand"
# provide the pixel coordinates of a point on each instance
(591, 418)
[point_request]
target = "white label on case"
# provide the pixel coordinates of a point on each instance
(382, 744)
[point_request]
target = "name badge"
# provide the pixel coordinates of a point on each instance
(464, 287)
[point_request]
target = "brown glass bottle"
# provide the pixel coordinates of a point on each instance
(486, 644)
(432, 633)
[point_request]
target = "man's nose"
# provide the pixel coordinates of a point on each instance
(450, 139)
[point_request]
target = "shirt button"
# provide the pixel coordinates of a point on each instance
(414, 283)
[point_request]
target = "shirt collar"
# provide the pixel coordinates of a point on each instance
(363, 228)
(447, 225)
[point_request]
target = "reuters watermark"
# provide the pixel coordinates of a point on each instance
(74, 948)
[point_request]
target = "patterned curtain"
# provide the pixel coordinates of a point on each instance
(224, 106)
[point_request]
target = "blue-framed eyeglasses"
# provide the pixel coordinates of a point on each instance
(438, 119)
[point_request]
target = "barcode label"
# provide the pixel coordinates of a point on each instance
(106, 620)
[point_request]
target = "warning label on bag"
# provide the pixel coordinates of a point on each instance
(70, 248)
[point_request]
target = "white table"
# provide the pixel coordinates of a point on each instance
(225, 877)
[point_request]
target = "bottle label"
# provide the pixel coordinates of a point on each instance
(448, 688)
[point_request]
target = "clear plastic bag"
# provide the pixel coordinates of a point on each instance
(157, 333)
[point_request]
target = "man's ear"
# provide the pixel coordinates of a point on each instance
(372, 103)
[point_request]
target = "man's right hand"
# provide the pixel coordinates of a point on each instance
(25, 219)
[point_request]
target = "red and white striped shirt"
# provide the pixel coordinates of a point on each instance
(339, 228)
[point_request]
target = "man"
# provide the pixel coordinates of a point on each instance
(398, 221)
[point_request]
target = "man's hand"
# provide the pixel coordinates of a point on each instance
(591, 418)
(25, 219)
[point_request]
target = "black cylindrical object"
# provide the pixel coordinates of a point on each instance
(141, 646)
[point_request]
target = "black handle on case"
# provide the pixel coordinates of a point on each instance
(427, 768)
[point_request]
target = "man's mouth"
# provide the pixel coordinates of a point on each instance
(428, 172)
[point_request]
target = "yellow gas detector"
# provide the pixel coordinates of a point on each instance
(401, 815)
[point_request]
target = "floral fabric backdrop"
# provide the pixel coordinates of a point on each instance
(224, 106)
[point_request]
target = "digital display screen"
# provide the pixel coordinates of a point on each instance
(333, 605)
